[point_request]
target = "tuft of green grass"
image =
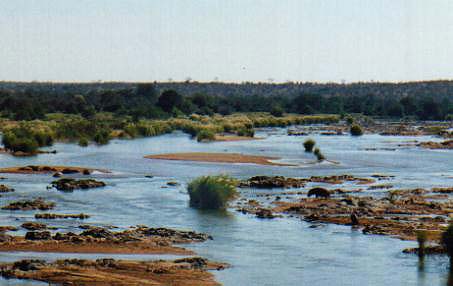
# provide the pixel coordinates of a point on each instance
(309, 144)
(356, 130)
(212, 192)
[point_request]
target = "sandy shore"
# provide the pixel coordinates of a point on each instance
(218, 158)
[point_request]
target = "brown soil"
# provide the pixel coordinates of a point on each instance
(47, 169)
(105, 272)
(218, 158)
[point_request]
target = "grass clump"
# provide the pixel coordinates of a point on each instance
(319, 155)
(83, 142)
(212, 192)
(205, 135)
(356, 130)
(309, 144)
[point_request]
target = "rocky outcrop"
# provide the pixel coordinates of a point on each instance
(319, 193)
(268, 182)
(448, 144)
(106, 271)
(37, 204)
(61, 216)
(38, 235)
(5, 189)
(33, 226)
(69, 184)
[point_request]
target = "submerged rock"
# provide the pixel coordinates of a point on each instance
(5, 189)
(37, 204)
(61, 216)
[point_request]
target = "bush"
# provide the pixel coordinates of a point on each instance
(212, 192)
(102, 137)
(356, 130)
(25, 139)
(83, 142)
(309, 144)
(247, 132)
(447, 242)
(205, 135)
(349, 119)
(319, 155)
(277, 111)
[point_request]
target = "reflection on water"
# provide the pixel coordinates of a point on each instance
(263, 252)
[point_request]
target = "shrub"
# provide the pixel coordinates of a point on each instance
(102, 137)
(447, 242)
(247, 132)
(319, 155)
(212, 192)
(277, 111)
(356, 130)
(309, 144)
(349, 119)
(205, 135)
(83, 142)
(26, 139)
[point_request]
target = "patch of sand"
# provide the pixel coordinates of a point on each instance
(218, 158)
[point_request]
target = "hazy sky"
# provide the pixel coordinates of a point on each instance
(233, 40)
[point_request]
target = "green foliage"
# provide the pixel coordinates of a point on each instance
(83, 142)
(356, 130)
(309, 144)
(169, 100)
(205, 135)
(319, 155)
(349, 119)
(247, 132)
(102, 136)
(212, 192)
(277, 111)
(26, 139)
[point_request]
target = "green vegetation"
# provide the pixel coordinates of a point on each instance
(447, 242)
(212, 192)
(205, 135)
(423, 100)
(277, 111)
(356, 130)
(309, 144)
(422, 237)
(319, 155)
(83, 142)
(26, 139)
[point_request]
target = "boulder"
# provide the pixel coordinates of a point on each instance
(38, 235)
(319, 192)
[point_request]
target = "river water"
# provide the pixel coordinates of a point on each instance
(282, 251)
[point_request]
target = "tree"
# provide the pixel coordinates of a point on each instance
(170, 99)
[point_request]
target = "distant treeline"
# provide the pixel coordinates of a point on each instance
(432, 100)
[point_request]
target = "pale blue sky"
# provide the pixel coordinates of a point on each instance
(234, 40)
